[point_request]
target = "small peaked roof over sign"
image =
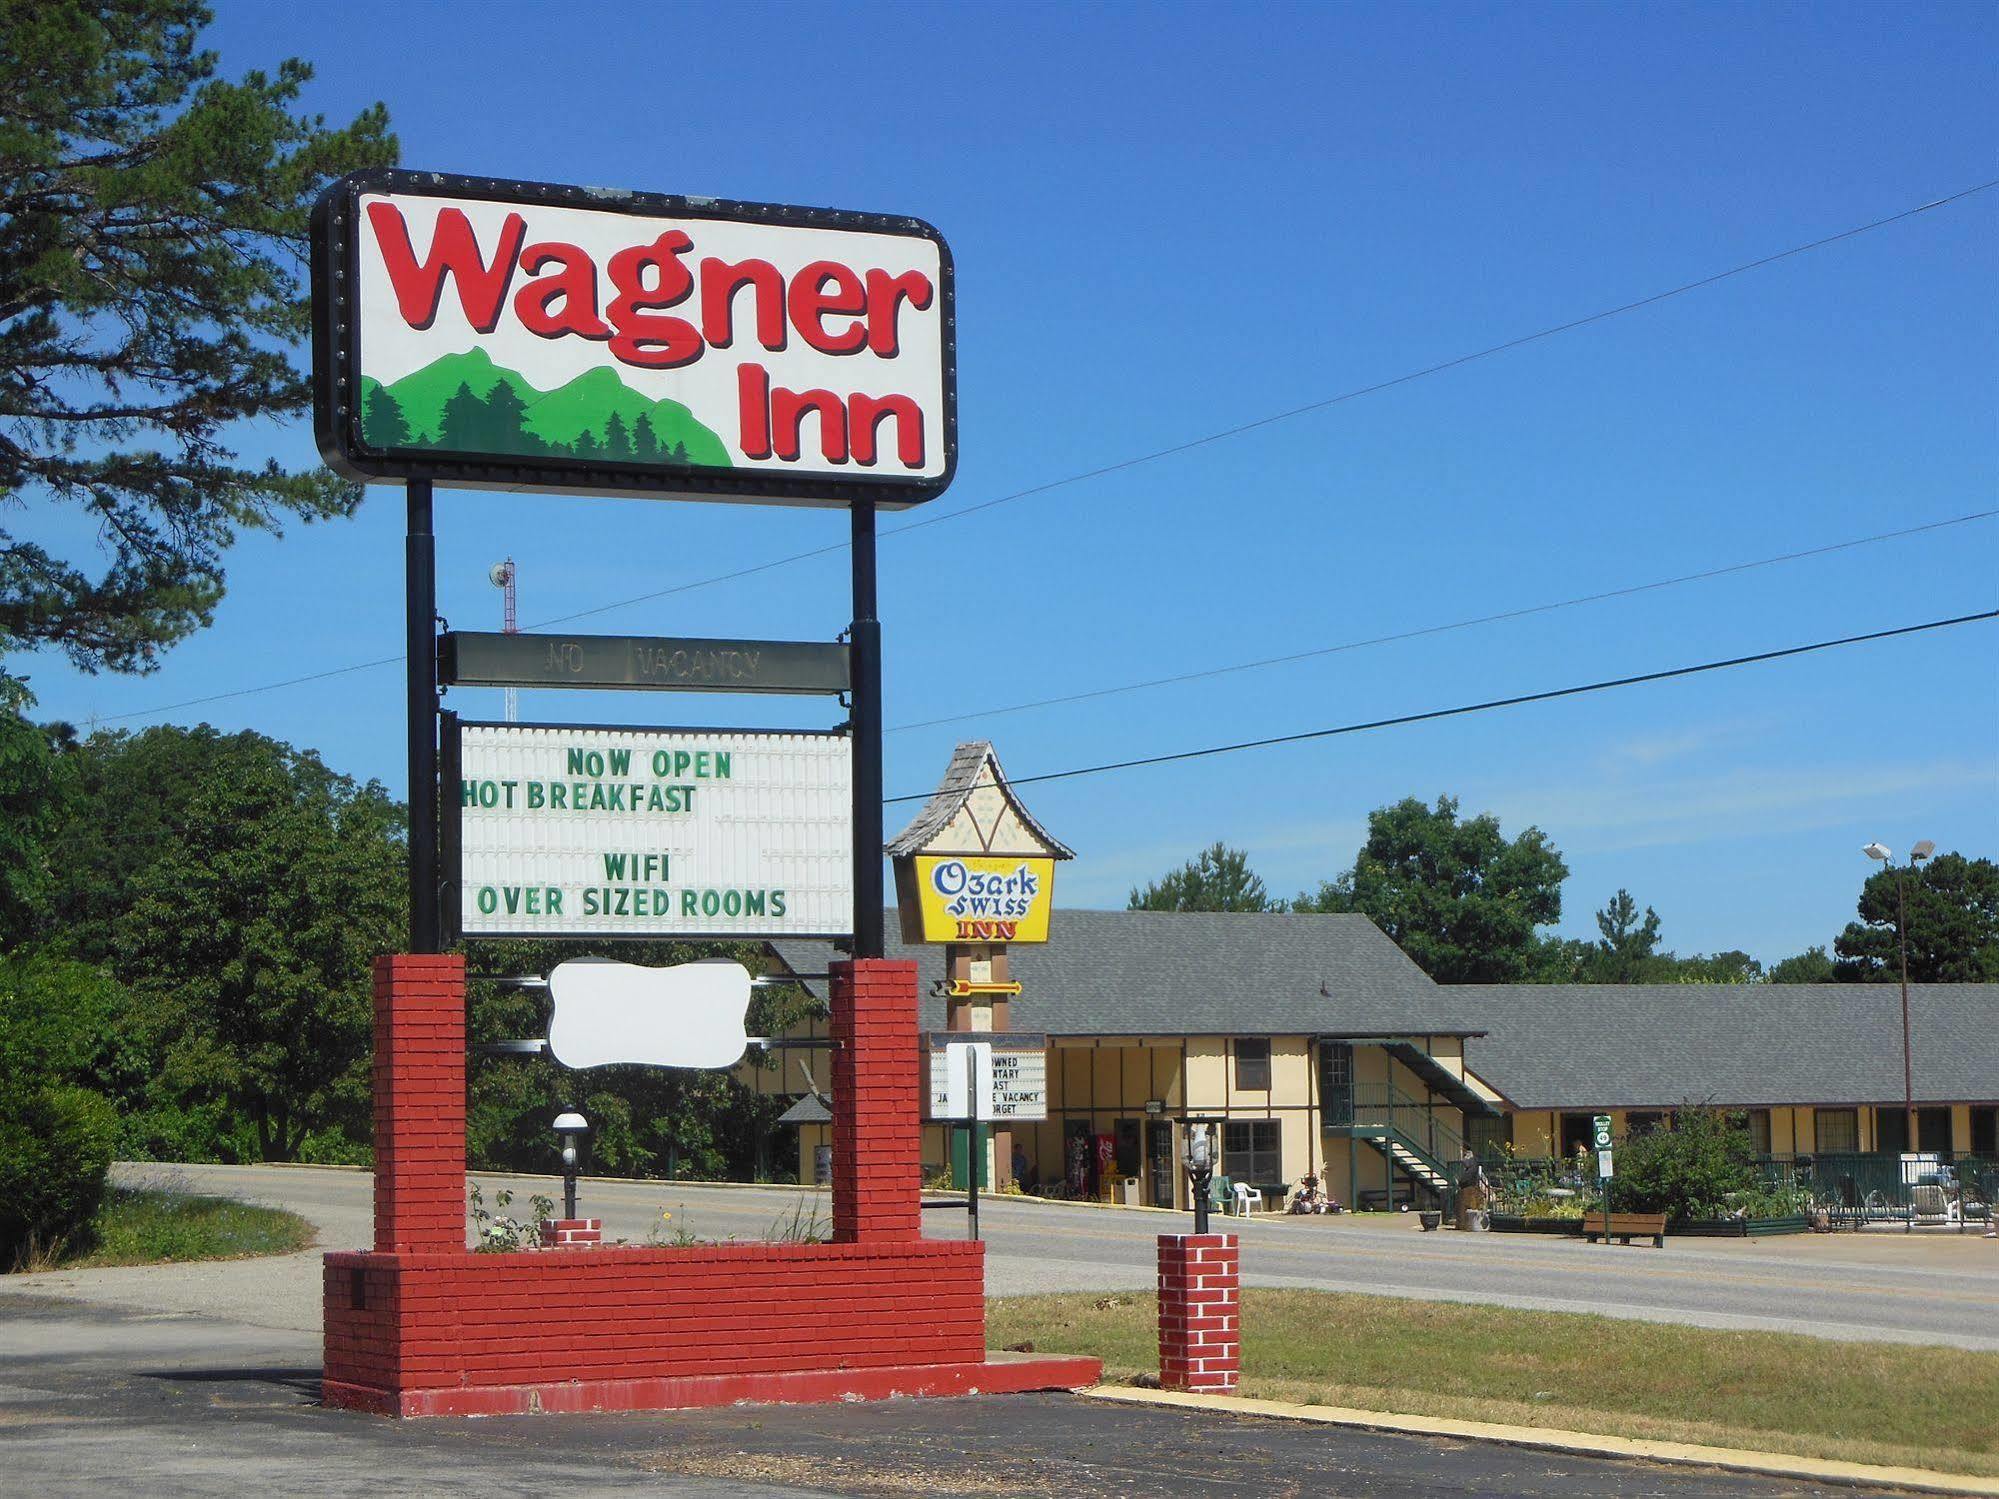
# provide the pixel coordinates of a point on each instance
(975, 811)
(810, 1109)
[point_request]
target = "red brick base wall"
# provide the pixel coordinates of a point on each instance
(1200, 1335)
(397, 1323)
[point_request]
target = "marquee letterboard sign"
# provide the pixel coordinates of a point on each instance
(578, 831)
(520, 335)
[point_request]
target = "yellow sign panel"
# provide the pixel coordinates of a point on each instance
(969, 898)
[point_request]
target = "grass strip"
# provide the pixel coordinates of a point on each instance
(1780, 1392)
(150, 1226)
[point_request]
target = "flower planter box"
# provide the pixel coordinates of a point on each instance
(1514, 1223)
(1737, 1228)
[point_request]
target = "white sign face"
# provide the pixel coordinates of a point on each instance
(1603, 1165)
(642, 833)
(690, 1015)
(1005, 1078)
(572, 334)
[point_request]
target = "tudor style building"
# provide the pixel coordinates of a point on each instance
(1322, 1048)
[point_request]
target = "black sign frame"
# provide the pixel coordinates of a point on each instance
(336, 373)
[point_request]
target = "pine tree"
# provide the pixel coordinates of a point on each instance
(506, 422)
(464, 422)
(382, 420)
(645, 441)
(588, 449)
(152, 242)
(617, 443)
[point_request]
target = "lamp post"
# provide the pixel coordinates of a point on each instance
(1886, 855)
(1200, 1170)
(569, 1127)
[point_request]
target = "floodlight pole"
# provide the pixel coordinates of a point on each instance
(1908, 1066)
(864, 644)
(420, 645)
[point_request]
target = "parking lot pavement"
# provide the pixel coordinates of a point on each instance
(95, 1399)
(1929, 1287)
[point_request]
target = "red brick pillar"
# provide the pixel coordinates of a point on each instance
(877, 1129)
(1200, 1337)
(419, 1102)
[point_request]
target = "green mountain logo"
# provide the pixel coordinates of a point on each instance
(465, 403)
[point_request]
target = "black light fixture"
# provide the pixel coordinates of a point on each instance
(570, 1127)
(1200, 1169)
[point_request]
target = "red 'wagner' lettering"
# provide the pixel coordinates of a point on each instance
(454, 252)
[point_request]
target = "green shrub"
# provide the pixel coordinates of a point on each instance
(55, 1151)
(1692, 1170)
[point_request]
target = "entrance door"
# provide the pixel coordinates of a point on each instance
(1159, 1161)
(1336, 1082)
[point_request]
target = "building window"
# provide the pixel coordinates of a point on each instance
(1933, 1128)
(1488, 1135)
(1838, 1131)
(1985, 1131)
(1578, 1130)
(1252, 1151)
(1252, 1065)
(1642, 1122)
(1759, 1131)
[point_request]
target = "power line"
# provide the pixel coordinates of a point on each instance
(1484, 707)
(1461, 624)
(1154, 456)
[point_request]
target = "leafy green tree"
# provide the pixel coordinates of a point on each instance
(60, 1027)
(130, 796)
(152, 231)
(35, 790)
(1953, 925)
(249, 941)
(1217, 879)
(1692, 1170)
(1457, 895)
(1812, 966)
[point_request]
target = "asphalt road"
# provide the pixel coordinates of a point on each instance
(98, 1400)
(1931, 1287)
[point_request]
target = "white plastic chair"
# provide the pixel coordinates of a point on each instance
(1245, 1194)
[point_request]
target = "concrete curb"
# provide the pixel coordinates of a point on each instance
(1733, 1459)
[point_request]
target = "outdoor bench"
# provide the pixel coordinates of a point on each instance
(1624, 1227)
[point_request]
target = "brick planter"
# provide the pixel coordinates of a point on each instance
(1200, 1336)
(571, 1233)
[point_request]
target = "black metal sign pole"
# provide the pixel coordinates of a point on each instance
(420, 621)
(867, 729)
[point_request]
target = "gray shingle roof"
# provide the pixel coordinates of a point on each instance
(1586, 1046)
(1196, 973)
(960, 777)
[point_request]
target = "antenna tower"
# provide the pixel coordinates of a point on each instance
(503, 576)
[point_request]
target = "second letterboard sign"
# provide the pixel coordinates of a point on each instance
(580, 831)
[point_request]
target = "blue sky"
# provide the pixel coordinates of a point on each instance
(1168, 220)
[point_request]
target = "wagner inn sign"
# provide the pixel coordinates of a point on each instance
(504, 335)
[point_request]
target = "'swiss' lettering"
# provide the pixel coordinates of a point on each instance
(660, 305)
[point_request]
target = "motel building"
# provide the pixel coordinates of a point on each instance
(1321, 1048)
